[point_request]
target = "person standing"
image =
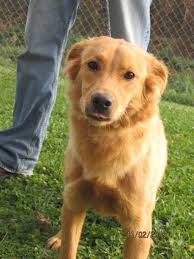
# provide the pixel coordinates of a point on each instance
(47, 27)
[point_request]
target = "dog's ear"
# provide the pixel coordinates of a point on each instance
(156, 80)
(73, 61)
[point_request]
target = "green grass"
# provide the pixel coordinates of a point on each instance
(22, 237)
(181, 81)
(180, 88)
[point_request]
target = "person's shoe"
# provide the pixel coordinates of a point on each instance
(5, 174)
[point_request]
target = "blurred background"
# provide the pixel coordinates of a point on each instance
(172, 36)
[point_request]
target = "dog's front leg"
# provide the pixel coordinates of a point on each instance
(72, 223)
(138, 241)
(73, 215)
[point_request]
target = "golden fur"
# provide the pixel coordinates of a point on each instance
(113, 166)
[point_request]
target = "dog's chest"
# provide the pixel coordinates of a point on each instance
(109, 157)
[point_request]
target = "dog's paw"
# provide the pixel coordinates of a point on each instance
(152, 243)
(54, 242)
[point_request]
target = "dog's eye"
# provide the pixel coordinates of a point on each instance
(129, 75)
(93, 65)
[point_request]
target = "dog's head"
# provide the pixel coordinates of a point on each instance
(113, 80)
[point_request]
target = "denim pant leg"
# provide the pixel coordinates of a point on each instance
(48, 23)
(130, 19)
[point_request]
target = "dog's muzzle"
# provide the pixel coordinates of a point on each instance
(100, 107)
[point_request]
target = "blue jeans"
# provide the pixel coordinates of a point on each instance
(47, 27)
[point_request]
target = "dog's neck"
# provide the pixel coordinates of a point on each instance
(101, 150)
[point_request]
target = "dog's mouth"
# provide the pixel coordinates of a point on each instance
(98, 116)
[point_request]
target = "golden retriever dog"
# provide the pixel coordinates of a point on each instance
(117, 151)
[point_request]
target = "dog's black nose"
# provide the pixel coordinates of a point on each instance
(101, 102)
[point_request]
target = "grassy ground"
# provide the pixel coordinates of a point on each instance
(181, 80)
(22, 236)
